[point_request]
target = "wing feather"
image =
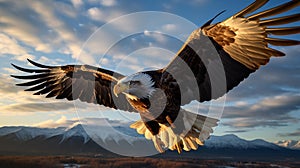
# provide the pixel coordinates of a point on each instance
(195, 130)
(241, 42)
(71, 82)
(251, 8)
(282, 42)
(280, 20)
(34, 82)
(249, 32)
(283, 31)
(37, 87)
(276, 10)
(30, 70)
(30, 76)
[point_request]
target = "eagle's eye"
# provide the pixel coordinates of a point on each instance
(134, 83)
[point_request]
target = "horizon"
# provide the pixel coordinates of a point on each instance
(126, 125)
(76, 125)
(264, 106)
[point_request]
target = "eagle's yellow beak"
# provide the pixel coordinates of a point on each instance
(119, 88)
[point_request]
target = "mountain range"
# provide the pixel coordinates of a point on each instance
(289, 144)
(76, 141)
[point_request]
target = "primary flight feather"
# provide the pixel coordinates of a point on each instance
(242, 43)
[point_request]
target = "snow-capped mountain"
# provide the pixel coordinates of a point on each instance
(233, 141)
(77, 130)
(115, 133)
(27, 133)
(289, 144)
(118, 132)
(87, 139)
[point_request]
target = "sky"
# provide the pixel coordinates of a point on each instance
(129, 36)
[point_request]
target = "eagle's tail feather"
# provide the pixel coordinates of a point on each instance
(197, 130)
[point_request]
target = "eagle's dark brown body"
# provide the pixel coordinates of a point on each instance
(163, 106)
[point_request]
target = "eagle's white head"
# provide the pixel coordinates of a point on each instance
(138, 85)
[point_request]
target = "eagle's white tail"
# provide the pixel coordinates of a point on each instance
(197, 130)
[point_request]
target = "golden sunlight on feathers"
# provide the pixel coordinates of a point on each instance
(245, 38)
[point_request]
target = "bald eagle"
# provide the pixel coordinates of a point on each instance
(242, 46)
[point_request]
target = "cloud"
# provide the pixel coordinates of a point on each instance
(77, 3)
(58, 26)
(66, 9)
(7, 85)
(24, 57)
(269, 111)
(21, 23)
(95, 14)
(46, 60)
(291, 134)
(147, 33)
(278, 77)
(103, 15)
(37, 107)
(108, 3)
(148, 58)
(102, 121)
(236, 131)
(10, 70)
(268, 97)
(266, 108)
(130, 33)
(61, 122)
(10, 46)
(254, 122)
(15, 101)
(169, 27)
(273, 111)
(55, 32)
(158, 36)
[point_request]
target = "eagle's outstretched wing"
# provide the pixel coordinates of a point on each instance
(83, 82)
(222, 55)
